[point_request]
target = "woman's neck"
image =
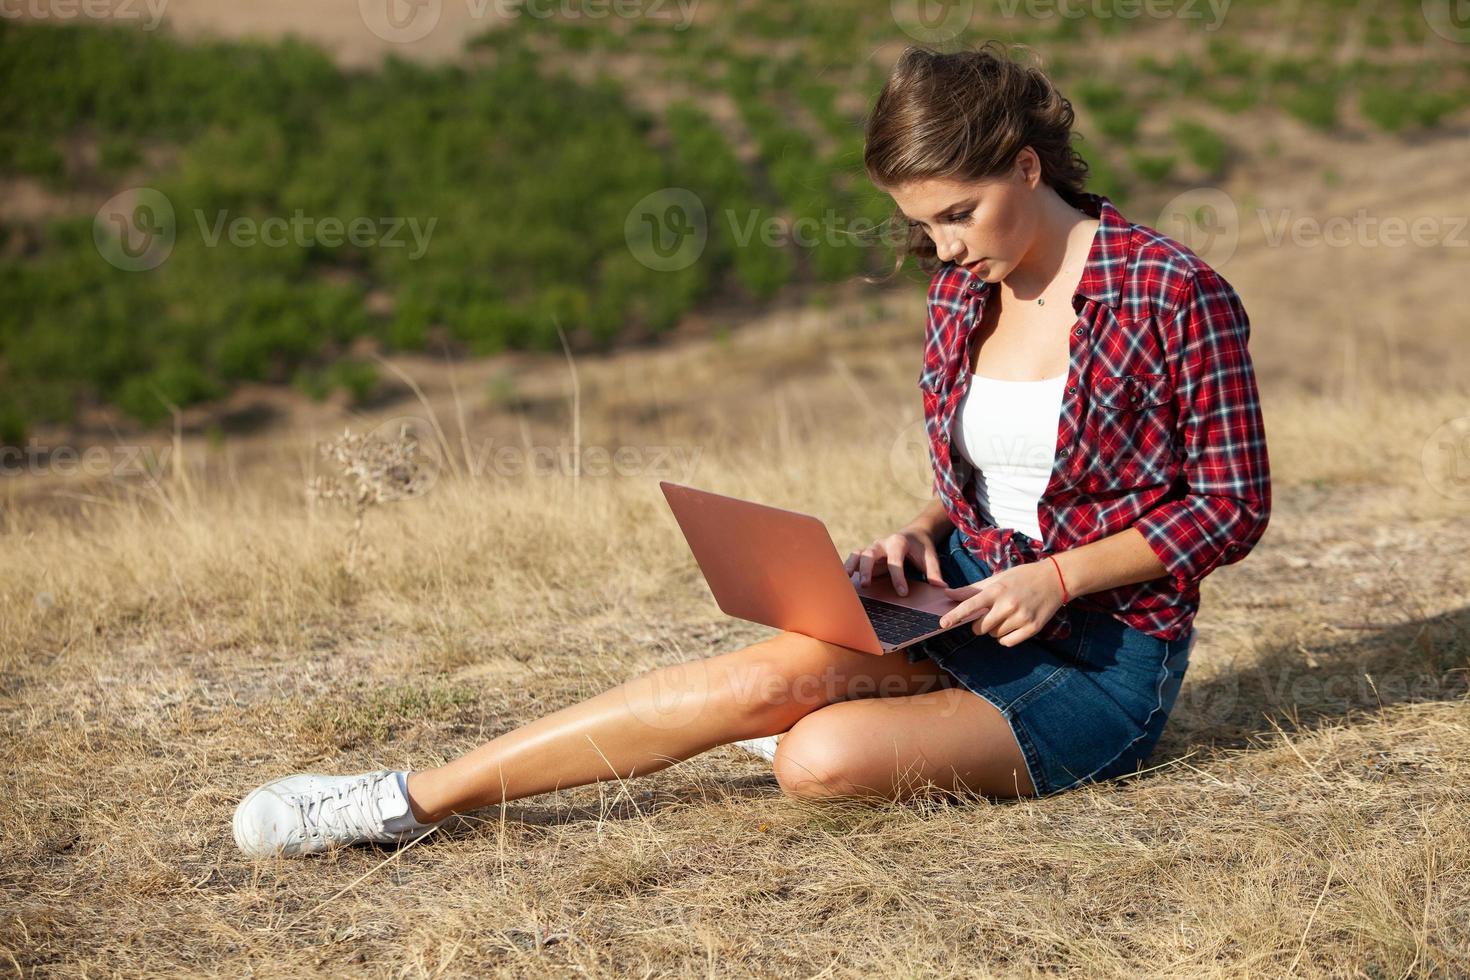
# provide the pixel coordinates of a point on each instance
(1058, 236)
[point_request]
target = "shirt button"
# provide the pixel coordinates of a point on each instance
(1073, 389)
(1064, 452)
(1079, 331)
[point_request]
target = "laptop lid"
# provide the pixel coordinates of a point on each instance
(771, 566)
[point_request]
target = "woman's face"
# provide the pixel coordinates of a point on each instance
(986, 226)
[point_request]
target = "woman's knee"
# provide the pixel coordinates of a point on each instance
(817, 759)
(787, 672)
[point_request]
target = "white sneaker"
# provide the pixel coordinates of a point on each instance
(763, 747)
(310, 812)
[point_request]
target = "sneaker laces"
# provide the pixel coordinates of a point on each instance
(356, 811)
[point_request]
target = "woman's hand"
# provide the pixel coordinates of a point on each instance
(1012, 605)
(911, 544)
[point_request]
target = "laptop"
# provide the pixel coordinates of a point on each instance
(780, 568)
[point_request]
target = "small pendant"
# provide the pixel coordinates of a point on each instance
(1041, 301)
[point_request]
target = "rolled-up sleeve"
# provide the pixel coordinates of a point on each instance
(1227, 503)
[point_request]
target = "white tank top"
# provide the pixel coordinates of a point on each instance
(1008, 432)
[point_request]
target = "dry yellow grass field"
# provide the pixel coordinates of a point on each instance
(170, 643)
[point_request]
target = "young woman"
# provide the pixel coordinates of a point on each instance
(1097, 447)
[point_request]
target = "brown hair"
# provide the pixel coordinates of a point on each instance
(964, 116)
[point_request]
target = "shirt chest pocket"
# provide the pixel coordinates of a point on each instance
(1130, 439)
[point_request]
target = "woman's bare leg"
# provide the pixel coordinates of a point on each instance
(949, 740)
(665, 716)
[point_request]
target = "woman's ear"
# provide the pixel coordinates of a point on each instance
(1028, 167)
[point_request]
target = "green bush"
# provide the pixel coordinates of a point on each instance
(1153, 168)
(1205, 148)
(474, 214)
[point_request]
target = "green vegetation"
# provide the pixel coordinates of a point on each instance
(1205, 148)
(504, 201)
(520, 224)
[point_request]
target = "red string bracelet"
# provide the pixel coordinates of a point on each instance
(1065, 597)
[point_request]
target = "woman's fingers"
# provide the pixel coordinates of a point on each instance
(930, 563)
(1000, 619)
(967, 610)
(1010, 637)
(894, 545)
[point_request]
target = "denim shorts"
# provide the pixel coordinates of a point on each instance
(1085, 709)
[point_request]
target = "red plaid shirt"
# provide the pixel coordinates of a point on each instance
(1160, 426)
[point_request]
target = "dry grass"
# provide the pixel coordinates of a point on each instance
(168, 646)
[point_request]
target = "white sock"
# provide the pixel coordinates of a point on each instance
(407, 822)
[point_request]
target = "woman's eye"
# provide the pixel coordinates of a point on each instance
(963, 218)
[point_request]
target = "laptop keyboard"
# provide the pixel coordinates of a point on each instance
(894, 624)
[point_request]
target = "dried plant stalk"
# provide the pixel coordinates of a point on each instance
(375, 469)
